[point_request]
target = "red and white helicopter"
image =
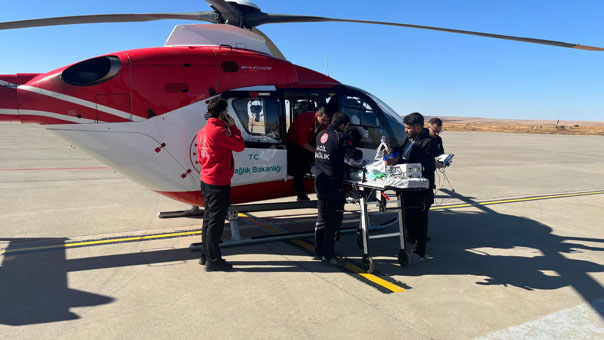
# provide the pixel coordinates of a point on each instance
(139, 110)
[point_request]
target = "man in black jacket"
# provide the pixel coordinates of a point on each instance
(419, 147)
(332, 146)
(435, 127)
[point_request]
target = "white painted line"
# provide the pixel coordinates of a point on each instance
(580, 322)
(7, 84)
(8, 111)
(81, 102)
(55, 115)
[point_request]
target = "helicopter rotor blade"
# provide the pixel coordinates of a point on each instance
(257, 19)
(107, 18)
(235, 17)
(230, 13)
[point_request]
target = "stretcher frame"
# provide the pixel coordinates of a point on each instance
(365, 190)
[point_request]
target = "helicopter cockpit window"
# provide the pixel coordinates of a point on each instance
(394, 120)
(260, 119)
(364, 117)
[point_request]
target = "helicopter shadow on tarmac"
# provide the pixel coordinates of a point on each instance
(34, 287)
(463, 242)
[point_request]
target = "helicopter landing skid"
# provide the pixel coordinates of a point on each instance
(285, 236)
(196, 212)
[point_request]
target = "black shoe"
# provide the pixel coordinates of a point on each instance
(332, 261)
(218, 266)
(302, 198)
(203, 260)
(318, 255)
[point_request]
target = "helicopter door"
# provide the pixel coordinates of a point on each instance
(259, 117)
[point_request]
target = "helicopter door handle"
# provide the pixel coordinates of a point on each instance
(163, 145)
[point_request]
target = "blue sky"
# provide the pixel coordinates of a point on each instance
(438, 74)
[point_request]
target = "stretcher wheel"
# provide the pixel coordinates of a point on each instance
(404, 258)
(368, 264)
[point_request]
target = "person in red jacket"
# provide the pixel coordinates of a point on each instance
(216, 142)
(300, 145)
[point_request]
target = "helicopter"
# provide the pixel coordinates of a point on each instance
(138, 111)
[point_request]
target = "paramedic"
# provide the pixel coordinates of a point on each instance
(300, 145)
(419, 147)
(332, 146)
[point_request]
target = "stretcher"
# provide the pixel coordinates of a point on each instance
(377, 177)
(371, 181)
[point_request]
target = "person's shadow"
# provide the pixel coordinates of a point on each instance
(484, 243)
(34, 289)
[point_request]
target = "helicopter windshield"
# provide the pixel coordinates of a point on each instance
(394, 120)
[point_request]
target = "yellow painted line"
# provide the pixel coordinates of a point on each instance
(54, 246)
(518, 200)
(379, 281)
(453, 206)
(303, 244)
(107, 241)
(264, 225)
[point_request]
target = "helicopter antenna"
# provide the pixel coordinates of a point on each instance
(327, 66)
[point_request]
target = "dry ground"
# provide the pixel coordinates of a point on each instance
(523, 126)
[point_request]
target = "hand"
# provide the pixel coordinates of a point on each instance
(229, 120)
(385, 152)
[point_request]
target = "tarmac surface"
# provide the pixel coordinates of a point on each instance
(517, 241)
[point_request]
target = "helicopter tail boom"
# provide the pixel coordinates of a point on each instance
(9, 100)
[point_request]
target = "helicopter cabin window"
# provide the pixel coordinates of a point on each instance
(364, 118)
(297, 103)
(260, 119)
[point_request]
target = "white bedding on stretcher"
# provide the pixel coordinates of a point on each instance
(385, 177)
(402, 176)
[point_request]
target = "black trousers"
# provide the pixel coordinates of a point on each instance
(330, 203)
(300, 160)
(417, 205)
(216, 199)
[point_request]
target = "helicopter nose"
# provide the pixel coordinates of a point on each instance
(9, 106)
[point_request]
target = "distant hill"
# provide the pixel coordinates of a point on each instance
(565, 127)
